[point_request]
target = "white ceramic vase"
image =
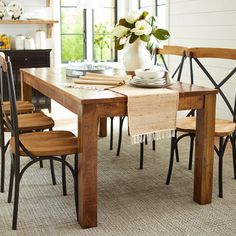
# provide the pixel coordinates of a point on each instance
(40, 39)
(136, 56)
(29, 43)
(20, 42)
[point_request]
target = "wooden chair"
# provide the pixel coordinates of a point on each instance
(160, 54)
(28, 121)
(47, 145)
(225, 130)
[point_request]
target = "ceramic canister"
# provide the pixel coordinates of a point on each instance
(29, 43)
(20, 42)
(40, 39)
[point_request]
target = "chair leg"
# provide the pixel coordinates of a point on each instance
(233, 143)
(3, 149)
(192, 137)
(41, 164)
(146, 141)
(177, 152)
(111, 133)
(120, 135)
(172, 148)
(53, 172)
(176, 148)
(153, 145)
(52, 163)
(141, 156)
(16, 193)
(11, 181)
(76, 185)
(220, 167)
(64, 177)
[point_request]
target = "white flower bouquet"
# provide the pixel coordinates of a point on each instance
(138, 25)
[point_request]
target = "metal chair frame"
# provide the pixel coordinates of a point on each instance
(4, 146)
(220, 150)
(16, 173)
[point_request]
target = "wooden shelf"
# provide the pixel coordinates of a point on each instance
(49, 23)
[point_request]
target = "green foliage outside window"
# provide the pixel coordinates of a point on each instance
(72, 48)
(72, 38)
(102, 41)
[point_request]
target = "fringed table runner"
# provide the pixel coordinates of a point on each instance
(151, 112)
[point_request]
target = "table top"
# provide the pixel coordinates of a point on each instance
(55, 79)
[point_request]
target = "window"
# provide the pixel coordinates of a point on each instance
(161, 13)
(146, 5)
(78, 24)
(160, 10)
(104, 48)
(73, 33)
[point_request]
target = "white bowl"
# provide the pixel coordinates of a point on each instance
(154, 73)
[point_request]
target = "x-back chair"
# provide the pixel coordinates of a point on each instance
(225, 130)
(47, 145)
(28, 121)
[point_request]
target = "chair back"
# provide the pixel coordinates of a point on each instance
(12, 122)
(203, 57)
(3, 68)
(172, 50)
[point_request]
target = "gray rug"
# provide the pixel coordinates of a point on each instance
(130, 201)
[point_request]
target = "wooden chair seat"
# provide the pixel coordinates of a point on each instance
(22, 107)
(33, 121)
(222, 127)
(48, 143)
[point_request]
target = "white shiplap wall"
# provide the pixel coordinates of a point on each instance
(205, 23)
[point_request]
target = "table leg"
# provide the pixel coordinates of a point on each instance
(204, 151)
(87, 176)
(26, 90)
(103, 127)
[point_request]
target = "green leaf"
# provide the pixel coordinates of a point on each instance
(126, 24)
(118, 46)
(145, 38)
(161, 34)
(133, 37)
(152, 21)
(122, 21)
(143, 16)
(152, 44)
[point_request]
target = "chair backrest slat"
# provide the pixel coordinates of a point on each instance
(223, 53)
(171, 50)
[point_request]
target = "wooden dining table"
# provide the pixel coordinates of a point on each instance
(93, 105)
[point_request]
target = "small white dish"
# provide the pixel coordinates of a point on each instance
(15, 10)
(152, 73)
(148, 83)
